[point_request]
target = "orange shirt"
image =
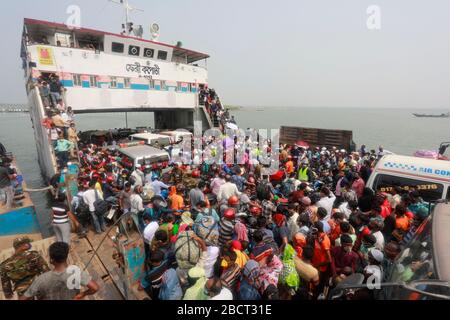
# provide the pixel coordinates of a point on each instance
(335, 230)
(402, 223)
(321, 246)
(289, 167)
(177, 202)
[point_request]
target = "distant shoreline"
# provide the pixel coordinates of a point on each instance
(14, 111)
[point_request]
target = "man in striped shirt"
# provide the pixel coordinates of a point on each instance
(61, 222)
(226, 226)
(232, 272)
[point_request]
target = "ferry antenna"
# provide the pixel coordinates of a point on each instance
(127, 8)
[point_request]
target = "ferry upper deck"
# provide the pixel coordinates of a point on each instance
(106, 72)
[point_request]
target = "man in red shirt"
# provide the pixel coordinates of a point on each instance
(358, 184)
(343, 256)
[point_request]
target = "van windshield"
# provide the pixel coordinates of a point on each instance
(429, 191)
(414, 263)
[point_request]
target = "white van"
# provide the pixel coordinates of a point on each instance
(152, 139)
(136, 156)
(430, 177)
(177, 135)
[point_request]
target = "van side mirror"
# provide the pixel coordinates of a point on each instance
(434, 288)
(437, 289)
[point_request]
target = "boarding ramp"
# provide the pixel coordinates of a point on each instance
(342, 139)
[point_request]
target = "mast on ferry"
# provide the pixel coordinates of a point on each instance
(127, 8)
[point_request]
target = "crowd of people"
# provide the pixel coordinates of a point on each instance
(229, 232)
(217, 112)
(224, 232)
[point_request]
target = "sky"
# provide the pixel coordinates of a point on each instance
(305, 53)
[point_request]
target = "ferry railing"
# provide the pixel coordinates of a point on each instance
(40, 115)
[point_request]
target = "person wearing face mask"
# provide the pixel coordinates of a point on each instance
(368, 242)
(152, 280)
(343, 256)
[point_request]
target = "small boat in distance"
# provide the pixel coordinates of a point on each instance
(442, 115)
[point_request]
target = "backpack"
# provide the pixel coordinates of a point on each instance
(101, 206)
(287, 187)
(187, 251)
(82, 210)
(208, 229)
(262, 190)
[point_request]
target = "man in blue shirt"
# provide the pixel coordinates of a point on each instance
(322, 213)
(62, 150)
(157, 185)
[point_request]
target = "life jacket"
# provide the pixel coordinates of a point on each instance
(303, 174)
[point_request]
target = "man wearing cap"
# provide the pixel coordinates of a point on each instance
(19, 271)
(376, 225)
(343, 256)
(374, 269)
(138, 176)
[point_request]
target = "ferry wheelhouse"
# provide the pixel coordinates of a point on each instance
(107, 72)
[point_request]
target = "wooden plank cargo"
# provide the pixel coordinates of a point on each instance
(342, 139)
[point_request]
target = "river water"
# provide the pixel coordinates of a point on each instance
(396, 129)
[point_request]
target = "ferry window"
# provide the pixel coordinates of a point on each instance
(162, 55)
(126, 83)
(113, 82)
(178, 86)
(163, 85)
(134, 50)
(152, 84)
(149, 53)
(429, 191)
(77, 80)
(93, 81)
(117, 47)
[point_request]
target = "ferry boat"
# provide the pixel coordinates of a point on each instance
(442, 115)
(104, 72)
(107, 72)
(20, 220)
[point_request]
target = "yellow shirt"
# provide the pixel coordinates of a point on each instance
(98, 187)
